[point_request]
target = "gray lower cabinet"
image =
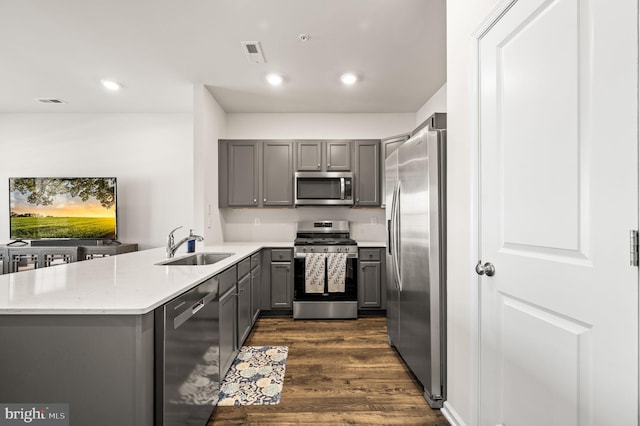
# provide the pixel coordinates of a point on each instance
(367, 173)
(228, 323)
(239, 173)
(101, 365)
(245, 318)
(256, 285)
(281, 279)
(371, 290)
(277, 179)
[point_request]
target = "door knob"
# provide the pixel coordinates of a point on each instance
(487, 269)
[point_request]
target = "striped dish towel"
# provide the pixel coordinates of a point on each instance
(314, 272)
(337, 267)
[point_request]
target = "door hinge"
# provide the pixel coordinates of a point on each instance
(633, 249)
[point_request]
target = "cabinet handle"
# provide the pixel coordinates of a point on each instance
(255, 201)
(318, 165)
(328, 165)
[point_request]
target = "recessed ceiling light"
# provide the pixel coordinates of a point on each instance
(348, 78)
(274, 79)
(110, 84)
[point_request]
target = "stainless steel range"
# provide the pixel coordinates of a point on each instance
(325, 266)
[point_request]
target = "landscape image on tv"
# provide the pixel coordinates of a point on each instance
(62, 208)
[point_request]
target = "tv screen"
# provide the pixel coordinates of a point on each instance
(62, 208)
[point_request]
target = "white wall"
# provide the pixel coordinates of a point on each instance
(310, 126)
(209, 126)
(150, 154)
(463, 17)
(437, 103)
(367, 224)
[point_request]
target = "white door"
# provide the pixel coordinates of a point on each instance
(558, 195)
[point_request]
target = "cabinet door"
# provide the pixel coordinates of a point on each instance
(244, 309)
(308, 155)
(277, 182)
(367, 173)
(256, 281)
(369, 293)
(228, 326)
(338, 155)
(242, 174)
(281, 285)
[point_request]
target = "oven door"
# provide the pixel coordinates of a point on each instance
(350, 284)
(323, 189)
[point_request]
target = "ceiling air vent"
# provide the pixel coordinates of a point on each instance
(253, 52)
(50, 101)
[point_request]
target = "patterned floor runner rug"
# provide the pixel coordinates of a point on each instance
(255, 376)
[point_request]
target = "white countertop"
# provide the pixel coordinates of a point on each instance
(126, 284)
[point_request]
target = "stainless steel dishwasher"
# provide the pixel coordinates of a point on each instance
(187, 344)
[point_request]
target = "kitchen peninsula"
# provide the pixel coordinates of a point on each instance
(83, 333)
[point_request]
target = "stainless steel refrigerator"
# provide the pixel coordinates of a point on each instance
(416, 267)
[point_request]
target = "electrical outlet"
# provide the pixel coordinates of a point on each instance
(256, 221)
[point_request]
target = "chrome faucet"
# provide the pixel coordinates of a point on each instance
(172, 248)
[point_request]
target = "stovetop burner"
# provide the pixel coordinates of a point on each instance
(303, 241)
(324, 237)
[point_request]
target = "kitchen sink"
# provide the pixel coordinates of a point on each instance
(197, 259)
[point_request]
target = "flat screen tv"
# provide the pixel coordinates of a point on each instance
(62, 208)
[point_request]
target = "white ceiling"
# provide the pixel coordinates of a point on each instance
(158, 49)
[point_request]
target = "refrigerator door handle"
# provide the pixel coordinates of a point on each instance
(389, 237)
(396, 236)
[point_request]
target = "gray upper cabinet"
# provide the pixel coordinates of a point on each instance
(313, 155)
(338, 155)
(277, 181)
(260, 173)
(238, 175)
(367, 173)
(309, 155)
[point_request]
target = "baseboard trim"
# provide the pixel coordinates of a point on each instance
(451, 415)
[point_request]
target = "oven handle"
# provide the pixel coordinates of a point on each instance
(349, 255)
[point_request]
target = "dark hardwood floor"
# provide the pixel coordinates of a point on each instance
(338, 372)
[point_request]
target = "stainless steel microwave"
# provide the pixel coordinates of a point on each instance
(323, 189)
